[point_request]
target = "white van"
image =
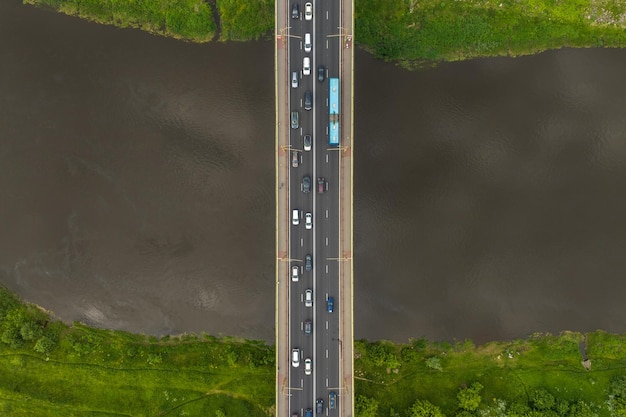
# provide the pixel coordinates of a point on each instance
(295, 217)
(307, 42)
(308, 298)
(306, 66)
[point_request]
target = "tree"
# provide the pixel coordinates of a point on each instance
(383, 354)
(365, 406)
(469, 397)
(423, 408)
(30, 330)
(434, 363)
(541, 413)
(618, 386)
(12, 337)
(44, 345)
(562, 407)
(617, 396)
(518, 409)
(581, 409)
(542, 399)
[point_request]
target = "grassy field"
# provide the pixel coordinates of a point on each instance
(82, 371)
(428, 31)
(181, 19)
(540, 376)
(50, 369)
(245, 20)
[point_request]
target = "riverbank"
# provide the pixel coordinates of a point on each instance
(50, 369)
(409, 32)
(417, 33)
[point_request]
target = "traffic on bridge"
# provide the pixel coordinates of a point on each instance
(314, 208)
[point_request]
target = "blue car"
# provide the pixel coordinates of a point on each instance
(330, 304)
(332, 400)
(308, 413)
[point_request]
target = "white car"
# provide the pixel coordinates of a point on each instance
(308, 298)
(308, 221)
(308, 366)
(308, 11)
(295, 357)
(306, 66)
(295, 273)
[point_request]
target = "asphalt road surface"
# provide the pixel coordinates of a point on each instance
(322, 241)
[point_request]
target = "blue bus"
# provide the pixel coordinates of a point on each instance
(333, 112)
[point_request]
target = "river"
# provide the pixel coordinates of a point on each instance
(137, 186)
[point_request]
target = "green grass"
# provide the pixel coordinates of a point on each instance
(426, 31)
(509, 371)
(181, 19)
(411, 32)
(245, 20)
(82, 371)
(90, 371)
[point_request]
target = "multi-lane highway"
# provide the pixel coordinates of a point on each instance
(314, 304)
(321, 164)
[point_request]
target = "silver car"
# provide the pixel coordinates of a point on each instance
(294, 79)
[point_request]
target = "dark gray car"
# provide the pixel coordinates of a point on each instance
(319, 405)
(321, 73)
(308, 327)
(308, 100)
(306, 184)
(295, 11)
(308, 263)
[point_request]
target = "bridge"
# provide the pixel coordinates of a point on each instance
(314, 147)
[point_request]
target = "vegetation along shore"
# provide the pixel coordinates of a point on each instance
(48, 368)
(411, 32)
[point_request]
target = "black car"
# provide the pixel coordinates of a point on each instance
(295, 11)
(321, 73)
(319, 406)
(308, 263)
(306, 184)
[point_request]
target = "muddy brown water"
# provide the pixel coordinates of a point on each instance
(137, 186)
